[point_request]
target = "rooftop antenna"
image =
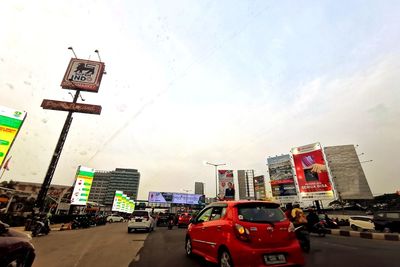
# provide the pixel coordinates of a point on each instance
(70, 48)
(98, 54)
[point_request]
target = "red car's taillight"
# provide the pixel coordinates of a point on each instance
(242, 233)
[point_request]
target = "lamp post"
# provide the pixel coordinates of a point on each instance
(216, 175)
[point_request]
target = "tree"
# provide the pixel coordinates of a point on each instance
(11, 184)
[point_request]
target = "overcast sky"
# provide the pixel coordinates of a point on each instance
(193, 81)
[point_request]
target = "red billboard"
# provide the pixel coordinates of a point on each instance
(312, 172)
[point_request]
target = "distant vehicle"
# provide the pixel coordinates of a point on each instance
(387, 221)
(184, 219)
(361, 223)
(244, 233)
(16, 248)
(162, 219)
(115, 218)
(141, 220)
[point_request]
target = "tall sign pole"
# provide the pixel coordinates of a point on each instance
(81, 75)
(54, 159)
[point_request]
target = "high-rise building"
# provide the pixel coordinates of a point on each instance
(246, 184)
(105, 183)
(347, 173)
(199, 188)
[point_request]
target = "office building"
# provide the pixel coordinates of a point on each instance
(199, 188)
(105, 183)
(246, 184)
(347, 173)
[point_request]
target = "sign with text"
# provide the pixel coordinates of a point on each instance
(312, 173)
(176, 198)
(84, 75)
(69, 106)
(259, 187)
(83, 183)
(282, 179)
(11, 121)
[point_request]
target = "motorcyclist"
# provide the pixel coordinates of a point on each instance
(312, 219)
(288, 211)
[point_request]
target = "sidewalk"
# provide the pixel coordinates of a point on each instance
(367, 235)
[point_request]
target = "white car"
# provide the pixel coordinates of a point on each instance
(141, 220)
(361, 223)
(114, 218)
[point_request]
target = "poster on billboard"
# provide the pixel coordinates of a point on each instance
(312, 173)
(83, 183)
(259, 187)
(282, 179)
(176, 198)
(11, 121)
(226, 185)
(117, 201)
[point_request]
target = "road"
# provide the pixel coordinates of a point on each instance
(108, 245)
(165, 248)
(111, 245)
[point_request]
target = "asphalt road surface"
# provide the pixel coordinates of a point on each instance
(165, 248)
(109, 245)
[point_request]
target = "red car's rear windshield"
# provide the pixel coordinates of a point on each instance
(260, 213)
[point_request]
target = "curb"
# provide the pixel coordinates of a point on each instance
(377, 236)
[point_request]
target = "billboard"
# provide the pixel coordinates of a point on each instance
(226, 185)
(282, 179)
(176, 198)
(117, 203)
(259, 187)
(11, 121)
(83, 183)
(84, 75)
(312, 173)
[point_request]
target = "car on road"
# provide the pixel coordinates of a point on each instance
(244, 233)
(184, 219)
(16, 248)
(387, 221)
(361, 223)
(141, 220)
(162, 218)
(115, 218)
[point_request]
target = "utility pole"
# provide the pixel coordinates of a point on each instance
(216, 175)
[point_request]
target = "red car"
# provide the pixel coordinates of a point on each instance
(244, 233)
(184, 219)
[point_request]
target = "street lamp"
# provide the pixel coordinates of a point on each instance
(216, 175)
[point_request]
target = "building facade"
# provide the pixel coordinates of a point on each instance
(246, 184)
(105, 183)
(199, 188)
(347, 173)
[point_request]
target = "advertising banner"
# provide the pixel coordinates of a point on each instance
(83, 183)
(282, 179)
(10, 123)
(259, 187)
(312, 172)
(226, 185)
(117, 201)
(176, 198)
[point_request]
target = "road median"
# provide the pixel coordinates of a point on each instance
(367, 235)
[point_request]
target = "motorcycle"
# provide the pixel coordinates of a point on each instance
(41, 225)
(319, 228)
(303, 236)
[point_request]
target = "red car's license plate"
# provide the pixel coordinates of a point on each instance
(271, 259)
